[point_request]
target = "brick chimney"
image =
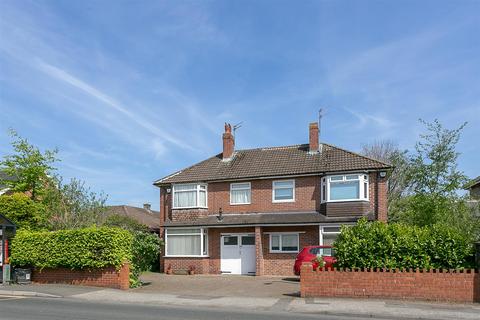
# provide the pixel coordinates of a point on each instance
(228, 142)
(313, 137)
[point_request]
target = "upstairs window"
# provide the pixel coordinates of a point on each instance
(283, 191)
(189, 196)
(240, 193)
(349, 187)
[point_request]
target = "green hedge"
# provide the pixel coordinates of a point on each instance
(75, 249)
(380, 245)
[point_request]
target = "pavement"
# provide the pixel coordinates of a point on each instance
(240, 293)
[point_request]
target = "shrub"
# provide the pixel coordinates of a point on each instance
(145, 254)
(380, 245)
(75, 249)
(23, 211)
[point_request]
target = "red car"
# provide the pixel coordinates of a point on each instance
(311, 252)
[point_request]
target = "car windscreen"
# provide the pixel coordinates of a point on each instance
(329, 252)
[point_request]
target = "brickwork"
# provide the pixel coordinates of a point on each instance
(433, 285)
(106, 277)
(307, 197)
(282, 263)
(266, 263)
(188, 214)
(259, 245)
(183, 264)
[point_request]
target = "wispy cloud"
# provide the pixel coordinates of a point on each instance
(107, 100)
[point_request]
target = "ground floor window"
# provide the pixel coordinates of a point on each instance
(284, 242)
(328, 235)
(186, 242)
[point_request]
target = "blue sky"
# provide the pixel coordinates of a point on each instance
(130, 91)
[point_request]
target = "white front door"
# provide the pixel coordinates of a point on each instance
(238, 254)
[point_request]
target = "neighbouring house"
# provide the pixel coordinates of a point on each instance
(473, 188)
(251, 211)
(3, 187)
(144, 215)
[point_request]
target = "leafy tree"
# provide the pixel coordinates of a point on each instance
(387, 151)
(125, 222)
(73, 205)
(434, 181)
(23, 211)
(434, 166)
(29, 167)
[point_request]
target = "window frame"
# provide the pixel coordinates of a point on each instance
(198, 190)
(363, 186)
(274, 188)
(249, 188)
(203, 236)
(281, 234)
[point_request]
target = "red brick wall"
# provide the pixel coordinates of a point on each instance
(267, 263)
(107, 277)
(281, 264)
(307, 198)
(378, 195)
(430, 285)
(179, 264)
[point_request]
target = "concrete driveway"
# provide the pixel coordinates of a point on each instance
(212, 286)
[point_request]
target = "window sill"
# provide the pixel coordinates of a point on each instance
(282, 201)
(284, 251)
(185, 256)
(240, 204)
(187, 208)
(347, 200)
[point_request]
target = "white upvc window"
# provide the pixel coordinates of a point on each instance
(328, 234)
(348, 187)
(240, 193)
(192, 195)
(283, 191)
(186, 242)
(284, 242)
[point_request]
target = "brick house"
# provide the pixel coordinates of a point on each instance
(251, 211)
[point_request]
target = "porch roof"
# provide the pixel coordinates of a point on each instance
(270, 218)
(5, 222)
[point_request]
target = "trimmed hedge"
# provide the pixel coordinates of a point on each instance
(380, 245)
(75, 249)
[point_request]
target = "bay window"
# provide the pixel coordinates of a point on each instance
(186, 242)
(189, 196)
(240, 193)
(349, 187)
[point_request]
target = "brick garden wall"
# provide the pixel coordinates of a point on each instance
(433, 285)
(108, 277)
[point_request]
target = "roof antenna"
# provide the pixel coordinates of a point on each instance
(320, 116)
(236, 126)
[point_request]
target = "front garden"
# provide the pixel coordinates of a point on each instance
(64, 226)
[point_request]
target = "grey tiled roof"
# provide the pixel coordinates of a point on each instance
(265, 219)
(275, 161)
(472, 183)
(149, 218)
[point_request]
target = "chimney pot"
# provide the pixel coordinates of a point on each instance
(313, 138)
(228, 142)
